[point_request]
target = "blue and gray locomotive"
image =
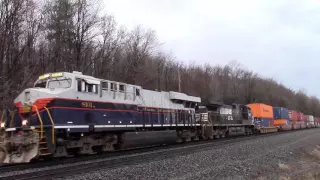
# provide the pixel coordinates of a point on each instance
(71, 113)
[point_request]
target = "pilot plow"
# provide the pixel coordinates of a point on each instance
(18, 144)
(18, 147)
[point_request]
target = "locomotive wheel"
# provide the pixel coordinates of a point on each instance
(98, 149)
(223, 135)
(196, 138)
(187, 139)
(179, 140)
(119, 146)
(120, 143)
(74, 152)
(203, 138)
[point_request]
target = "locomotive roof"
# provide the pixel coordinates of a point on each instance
(80, 75)
(90, 79)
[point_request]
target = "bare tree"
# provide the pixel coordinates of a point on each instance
(85, 20)
(112, 39)
(139, 46)
(19, 24)
(66, 35)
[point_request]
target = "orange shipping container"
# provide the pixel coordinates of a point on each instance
(260, 110)
(278, 122)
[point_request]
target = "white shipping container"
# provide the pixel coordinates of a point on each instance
(311, 118)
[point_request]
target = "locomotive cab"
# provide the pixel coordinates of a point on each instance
(220, 113)
(201, 113)
(48, 86)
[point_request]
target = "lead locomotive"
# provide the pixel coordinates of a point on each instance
(71, 113)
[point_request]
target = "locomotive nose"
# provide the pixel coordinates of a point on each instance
(29, 96)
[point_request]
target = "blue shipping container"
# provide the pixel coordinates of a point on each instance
(280, 113)
(288, 122)
(263, 122)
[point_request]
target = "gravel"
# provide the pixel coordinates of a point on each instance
(294, 155)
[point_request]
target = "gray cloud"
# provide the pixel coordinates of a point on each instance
(277, 38)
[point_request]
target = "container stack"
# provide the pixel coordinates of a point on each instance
(263, 114)
(300, 117)
(304, 123)
(313, 124)
(310, 121)
(281, 118)
(293, 116)
(302, 120)
(317, 121)
(307, 120)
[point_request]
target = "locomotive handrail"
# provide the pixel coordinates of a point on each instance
(52, 122)
(11, 117)
(2, 116)
(41, 122)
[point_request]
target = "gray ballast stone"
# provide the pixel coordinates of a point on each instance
(280, 156)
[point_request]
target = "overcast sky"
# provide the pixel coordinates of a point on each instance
(276, 38)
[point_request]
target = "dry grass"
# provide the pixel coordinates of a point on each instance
(261, 178)
(316, 152)
(284, 166)
(284, 178)
(311, 176)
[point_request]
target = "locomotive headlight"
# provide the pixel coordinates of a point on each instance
(2, 125)
(25, 122)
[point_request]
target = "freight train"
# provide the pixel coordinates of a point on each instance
(73, 114)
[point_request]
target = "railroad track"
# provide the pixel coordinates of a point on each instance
(57, 161)
(53, 162)
(115, 159)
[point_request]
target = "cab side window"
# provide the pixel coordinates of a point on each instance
(113, 86)
(104, 85)
(83, 86)
(121, 88)
(92, 88)
(137, 92)
(79, 85)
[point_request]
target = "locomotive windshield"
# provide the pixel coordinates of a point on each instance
(201, 109)
(64, 83)
(41, 84)
(54, 80)
(54, 83)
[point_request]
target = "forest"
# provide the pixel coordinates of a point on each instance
(38, 37)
